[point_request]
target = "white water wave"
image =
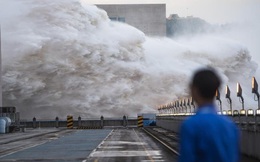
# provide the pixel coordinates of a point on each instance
(66, 57)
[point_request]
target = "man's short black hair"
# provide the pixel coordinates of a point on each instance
(207, 82)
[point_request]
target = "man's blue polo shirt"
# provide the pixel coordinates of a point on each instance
(209, 137)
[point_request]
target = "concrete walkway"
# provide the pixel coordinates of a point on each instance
(72, 147)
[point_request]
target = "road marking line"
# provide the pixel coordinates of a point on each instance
(149, 155)
(126, 153)
(24, 149)
(91, 154)
(150, 160)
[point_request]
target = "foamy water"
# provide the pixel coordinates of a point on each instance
(67, 57)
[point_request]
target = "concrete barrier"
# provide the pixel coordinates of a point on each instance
(250, 143)
(249, 126)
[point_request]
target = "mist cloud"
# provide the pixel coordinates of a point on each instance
(66, 57)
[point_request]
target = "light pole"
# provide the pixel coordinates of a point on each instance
(255, 90)
(220, 102)
(172, 107)
(192, 104)
(185, 104)
(178, 107)
(188, 104)
(239, 94)
(230, 112)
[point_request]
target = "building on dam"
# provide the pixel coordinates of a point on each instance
(149, 18)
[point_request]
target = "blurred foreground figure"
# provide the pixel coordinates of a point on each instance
(207, 136)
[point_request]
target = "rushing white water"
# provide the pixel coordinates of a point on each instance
(66, 57)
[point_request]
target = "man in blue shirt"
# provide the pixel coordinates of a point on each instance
(207, 136)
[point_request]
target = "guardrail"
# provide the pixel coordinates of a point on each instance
(80, 122)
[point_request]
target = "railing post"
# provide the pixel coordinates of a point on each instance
(34, 122)
(79, 122)
(57, 122)
(124, 121)
(102, 121)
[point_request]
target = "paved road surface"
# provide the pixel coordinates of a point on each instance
(130, 145)
(73, 147)
(105, 145)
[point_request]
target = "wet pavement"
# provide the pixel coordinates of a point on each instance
(75, 145)
(104, 145)
(14, 142)
(130, 145)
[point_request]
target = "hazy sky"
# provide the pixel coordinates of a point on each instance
(214, 11)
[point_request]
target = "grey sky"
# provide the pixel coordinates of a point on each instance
(214, 11)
